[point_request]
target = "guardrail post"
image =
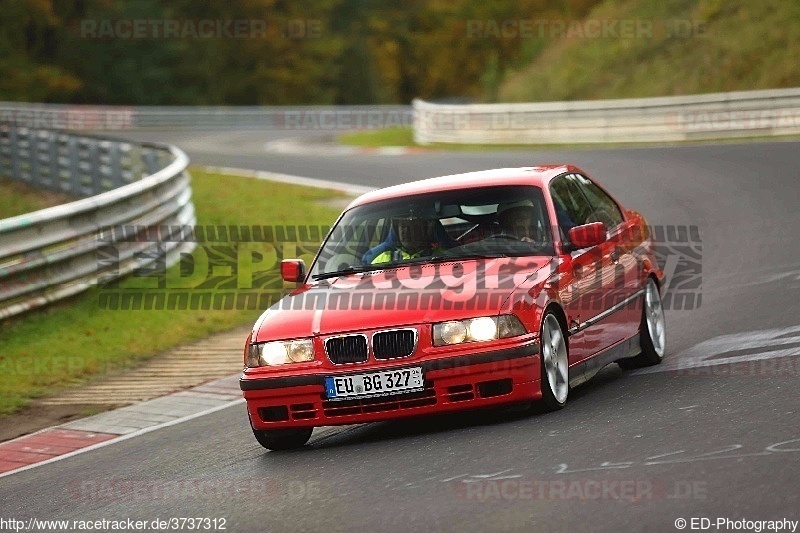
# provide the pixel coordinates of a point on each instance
(94, 168)
(13, 145)
(33, 158)
(114, 162)
(76, 183)
(52, 160)
(150, 160)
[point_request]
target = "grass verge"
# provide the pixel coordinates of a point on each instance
(18, 198)
(405, 137)
(393, 137)
(51, 348)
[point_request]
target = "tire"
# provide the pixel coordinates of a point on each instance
(283, 439)
(652, 330)
(555, 364)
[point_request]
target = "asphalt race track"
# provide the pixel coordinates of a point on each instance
(631, 452)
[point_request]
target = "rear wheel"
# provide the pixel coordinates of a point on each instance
(283, 439)
(653, 330)
(555, 365)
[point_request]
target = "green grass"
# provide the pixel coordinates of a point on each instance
(49, 348)
(378, 138)
(18, 198)
(735, 45)
(405, 137)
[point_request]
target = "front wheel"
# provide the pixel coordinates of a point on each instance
(653, 330)
(283, 439)
(555, 365)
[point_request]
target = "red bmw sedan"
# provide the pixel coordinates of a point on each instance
(452, 293)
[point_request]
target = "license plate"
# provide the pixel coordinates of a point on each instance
(374, 384)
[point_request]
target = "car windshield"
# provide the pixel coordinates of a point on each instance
(497, 221)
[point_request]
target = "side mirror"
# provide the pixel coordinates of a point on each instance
(293, 270)
(587, 235)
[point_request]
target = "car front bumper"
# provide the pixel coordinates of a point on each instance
(507, 375)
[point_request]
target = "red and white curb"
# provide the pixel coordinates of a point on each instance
(66, 440)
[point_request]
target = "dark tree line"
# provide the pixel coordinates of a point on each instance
(304, 52)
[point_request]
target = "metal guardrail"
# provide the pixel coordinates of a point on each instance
(665, 119)
(54, 253)
(88, 117)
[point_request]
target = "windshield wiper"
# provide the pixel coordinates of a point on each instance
(476, 255)
(345, 271)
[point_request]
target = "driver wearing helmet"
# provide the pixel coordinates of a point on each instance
(415, 236)
(516, 219)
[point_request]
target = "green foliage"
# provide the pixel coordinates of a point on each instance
(696, 47)
(384, 51)
(320, 51)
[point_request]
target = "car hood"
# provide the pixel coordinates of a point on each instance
(399, 296)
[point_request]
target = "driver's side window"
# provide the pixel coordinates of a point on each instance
(572, 208)
(604, 209)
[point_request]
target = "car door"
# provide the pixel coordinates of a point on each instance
(617, 254)
(589, 295)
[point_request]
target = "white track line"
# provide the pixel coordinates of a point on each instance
(123, 437)
(349, 188)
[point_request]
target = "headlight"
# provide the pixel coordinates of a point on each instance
(483, 328)
(450, 332)
(277, 353)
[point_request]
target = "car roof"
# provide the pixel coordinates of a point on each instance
(538, 176)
